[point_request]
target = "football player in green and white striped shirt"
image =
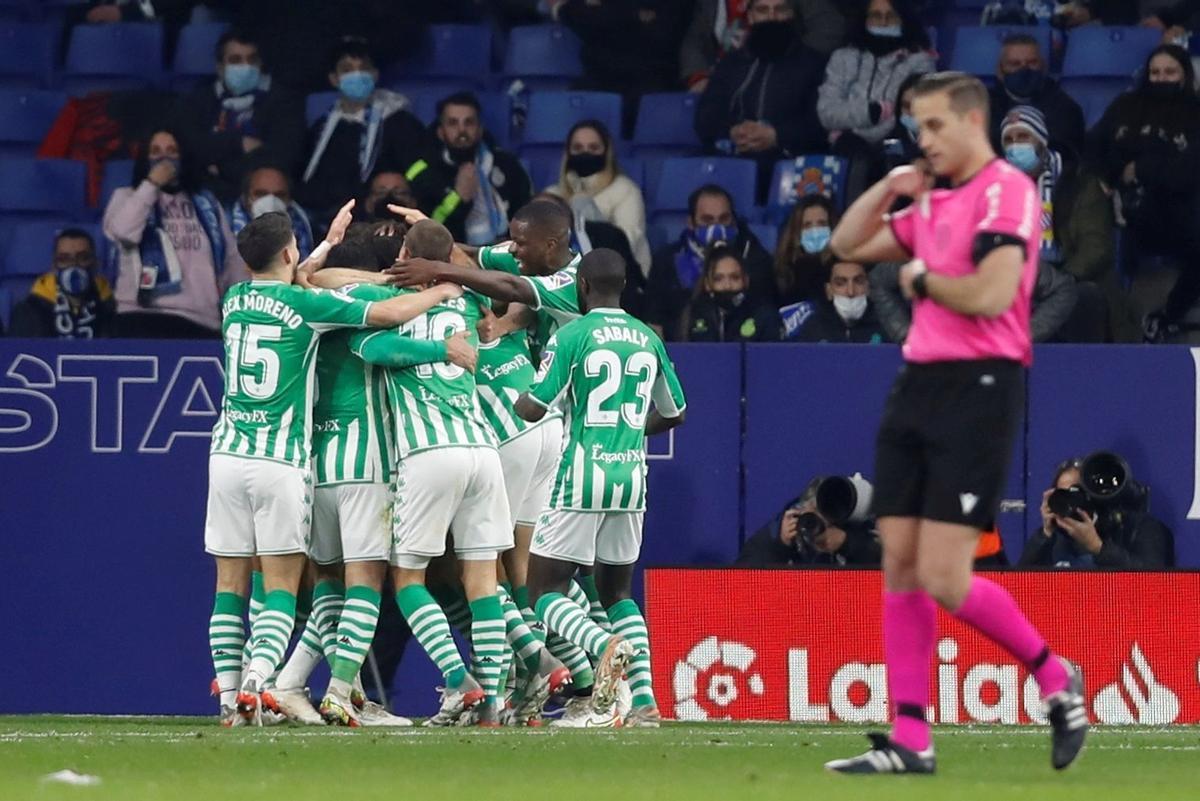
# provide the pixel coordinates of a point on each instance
(260, 485)
(449, 478)
(618, 385)
(353, 459)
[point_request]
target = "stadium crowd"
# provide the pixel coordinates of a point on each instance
(787, 109)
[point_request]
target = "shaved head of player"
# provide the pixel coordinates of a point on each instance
(268, 246)
(427, 239)
(601, 280)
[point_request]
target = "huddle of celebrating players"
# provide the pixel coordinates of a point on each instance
(367, 426)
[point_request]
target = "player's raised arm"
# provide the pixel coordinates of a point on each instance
(389, 349)
(493, 283)
(865, 233)
(399, 310)
(315, 260)
(987, 292)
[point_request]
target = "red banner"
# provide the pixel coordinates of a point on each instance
(806, 645)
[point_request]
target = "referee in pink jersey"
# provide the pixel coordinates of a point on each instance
(944, 444)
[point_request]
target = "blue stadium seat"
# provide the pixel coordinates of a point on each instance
(1094, 95)
(543, 56)
(665, 124)
(123, 55)
(497, 106)
(316, 104)
(6, 304)
(30, 248)
(768, 235)
(1108, 52)
(805, 175)
(543, 166)
(977, 49)
(14, 10)
(25, 117)
(448, 51)
(679, 177)
(42, 186)
(117, 173)
(195, 54)
(27, 54)
(551, 115)
(17, 288)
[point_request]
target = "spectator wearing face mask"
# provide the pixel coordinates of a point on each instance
(1077, 231)
(901, 146)
(725, 308)
(1146, 150)
(268, 189)
(1022, 81)
(463, 180)
(843, 315)
(242, 119)
(386, 187)
(761, 98)
(72, 301)
(176, 253)
(592, 182)
(367, 129)
(802, 257)
(678, 267)
(856, 104)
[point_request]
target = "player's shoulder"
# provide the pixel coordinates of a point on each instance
(368, 291)
(499, 257)
(560, 279)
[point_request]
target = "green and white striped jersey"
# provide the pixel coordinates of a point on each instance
(611, 367)
(271, 331)
(353, 437)
(557, 301)
(505, 367)
(435, 405)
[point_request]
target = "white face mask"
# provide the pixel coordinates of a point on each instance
(850, 309)
(267, 203)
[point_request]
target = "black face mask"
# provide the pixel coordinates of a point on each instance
(770, 40)
(1024, 83)
(728, 300)
(1164, 90)
(585, 164)
(462, 155)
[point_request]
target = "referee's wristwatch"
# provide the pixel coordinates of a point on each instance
(918, 282)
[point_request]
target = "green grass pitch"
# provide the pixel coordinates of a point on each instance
(180, 759)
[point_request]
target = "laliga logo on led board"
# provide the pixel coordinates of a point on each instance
(721, 663)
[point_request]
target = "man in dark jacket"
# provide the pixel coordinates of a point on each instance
(71, 301)
(1023, 82)
(677, 267)
(463, 181)
(727, 310)
(242, 120)
(845, 315)
(780, 541)
(761, 99)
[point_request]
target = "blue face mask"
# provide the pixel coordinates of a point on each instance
(885, 31)
(74, 280)
(356, 86)
(241, 78)
(709, 235)
(814, 240)
(1023, 156)
(911, 125)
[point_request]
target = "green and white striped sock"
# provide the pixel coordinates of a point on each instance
(454, 604)
(356, 629)
(226, 639)
(257, 596)
(270, 635)
(564, 617)
(430, 627)
(526, 647)
(571, 655)
(628, 622)
(595, 608)
(328, 597)
(489, 642)
(307, 654)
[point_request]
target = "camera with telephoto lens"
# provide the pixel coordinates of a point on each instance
(840, 500)
(1106, 485)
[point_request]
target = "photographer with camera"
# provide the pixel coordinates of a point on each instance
(826, 526)
(1094, 515)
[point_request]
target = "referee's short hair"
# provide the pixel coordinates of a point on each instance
(966, 92)
(263, 239)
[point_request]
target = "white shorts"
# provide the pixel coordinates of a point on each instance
(530, 462)
(456, 489)
(256, 507)
(351, 523)
(585, 538)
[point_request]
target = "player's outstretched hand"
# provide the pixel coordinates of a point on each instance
(411, 216)
(412, 272)
(341, 221)
(460, 352)
(906, 181)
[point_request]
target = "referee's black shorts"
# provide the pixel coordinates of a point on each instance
(945, 441)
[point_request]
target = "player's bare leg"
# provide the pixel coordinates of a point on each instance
(227, 633)
(272, 629)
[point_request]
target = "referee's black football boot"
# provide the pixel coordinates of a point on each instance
(886, 757)
(1067, 712)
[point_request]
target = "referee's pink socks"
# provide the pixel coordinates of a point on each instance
(909, 632)
(992, 611)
